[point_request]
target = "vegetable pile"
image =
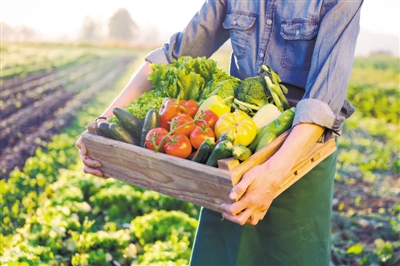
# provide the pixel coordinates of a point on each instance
(198, 112)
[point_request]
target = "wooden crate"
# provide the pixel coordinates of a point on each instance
(186, 180)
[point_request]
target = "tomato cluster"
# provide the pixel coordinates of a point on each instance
(183, 132)
(184, 127)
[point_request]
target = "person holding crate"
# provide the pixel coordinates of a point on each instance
(311, 45)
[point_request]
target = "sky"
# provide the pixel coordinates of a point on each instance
(54, 19)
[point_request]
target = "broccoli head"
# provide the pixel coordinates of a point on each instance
(252, 94)
(226, 89)
(222, 85)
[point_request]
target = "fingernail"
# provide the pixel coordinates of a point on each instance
(233, 195)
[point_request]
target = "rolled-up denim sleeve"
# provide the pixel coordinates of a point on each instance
(324, 100)
(202, 36)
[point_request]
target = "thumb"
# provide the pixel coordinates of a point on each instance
(240, 188)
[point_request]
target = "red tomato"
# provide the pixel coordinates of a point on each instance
(191, 106)
(209, 117)
(199, 134)
(179, 146)
(184, 121)
(155, 135)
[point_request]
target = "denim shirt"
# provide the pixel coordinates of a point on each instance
(311, 45)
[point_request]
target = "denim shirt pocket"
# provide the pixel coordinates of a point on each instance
(299, 41)
(240, 26)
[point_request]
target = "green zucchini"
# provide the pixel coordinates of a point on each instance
(227, 136)
(151, 121)
(121, 134)
(221, 151)
(104, 129)
(204, 151)
(130, 122)
(191, 155)
(241, 152)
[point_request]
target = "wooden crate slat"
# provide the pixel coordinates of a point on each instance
(184, 179)
(180, 178)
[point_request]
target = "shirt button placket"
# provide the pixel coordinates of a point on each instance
(261, 55)
(268, 19)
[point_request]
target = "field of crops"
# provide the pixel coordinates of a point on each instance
(42, 87)
(54, 214)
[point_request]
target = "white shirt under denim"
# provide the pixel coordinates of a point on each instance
(310, 44)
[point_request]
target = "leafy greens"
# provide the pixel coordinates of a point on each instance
(185, 77)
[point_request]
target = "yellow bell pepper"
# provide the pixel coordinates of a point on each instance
(239, 125)
(216, 104)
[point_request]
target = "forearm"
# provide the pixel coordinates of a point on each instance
(138, 84)
(300, 140)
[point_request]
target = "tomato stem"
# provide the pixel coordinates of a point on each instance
(172, 131)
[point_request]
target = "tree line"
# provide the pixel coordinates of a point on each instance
(120, 28)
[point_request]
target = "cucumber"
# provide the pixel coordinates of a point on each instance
(104, 129)
(241, 152)
(121, 134)
(204, 151)
(130, 122)
(266, 139)
(221, 151)
(268, 133)
(151, 121)
(257, 139)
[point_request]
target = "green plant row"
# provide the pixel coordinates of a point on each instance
(366, 218)
(54, 214)
(25, 59)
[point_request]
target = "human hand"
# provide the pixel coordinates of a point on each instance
(259, 186)
(253, 195)
(90, 166)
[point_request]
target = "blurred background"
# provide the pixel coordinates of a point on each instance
(152, 21)
(62, 64)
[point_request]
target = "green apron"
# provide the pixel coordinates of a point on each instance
(295, 230)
